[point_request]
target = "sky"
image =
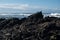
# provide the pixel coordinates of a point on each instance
(29, 6)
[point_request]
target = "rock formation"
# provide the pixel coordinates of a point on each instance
(34, 27)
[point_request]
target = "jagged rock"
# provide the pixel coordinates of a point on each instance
(36, 15)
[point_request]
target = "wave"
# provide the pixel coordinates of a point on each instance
(55, 14)
(4, 14)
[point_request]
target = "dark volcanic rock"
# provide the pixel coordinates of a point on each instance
(35, 27)
(36, 15)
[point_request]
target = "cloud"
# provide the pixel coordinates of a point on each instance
(20, 6)
(24, 8)
(14, 6)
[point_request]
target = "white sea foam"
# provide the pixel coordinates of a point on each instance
(4, 14)
(55, 14)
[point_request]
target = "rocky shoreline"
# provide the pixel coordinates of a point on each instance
(34, 27)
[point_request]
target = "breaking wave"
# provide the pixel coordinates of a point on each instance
(55, 14)
(3, 14)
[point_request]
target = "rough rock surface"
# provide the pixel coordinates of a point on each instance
(34, 27)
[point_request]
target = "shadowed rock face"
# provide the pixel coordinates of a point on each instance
(34, 27)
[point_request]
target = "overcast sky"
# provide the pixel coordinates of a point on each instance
(25, 6)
